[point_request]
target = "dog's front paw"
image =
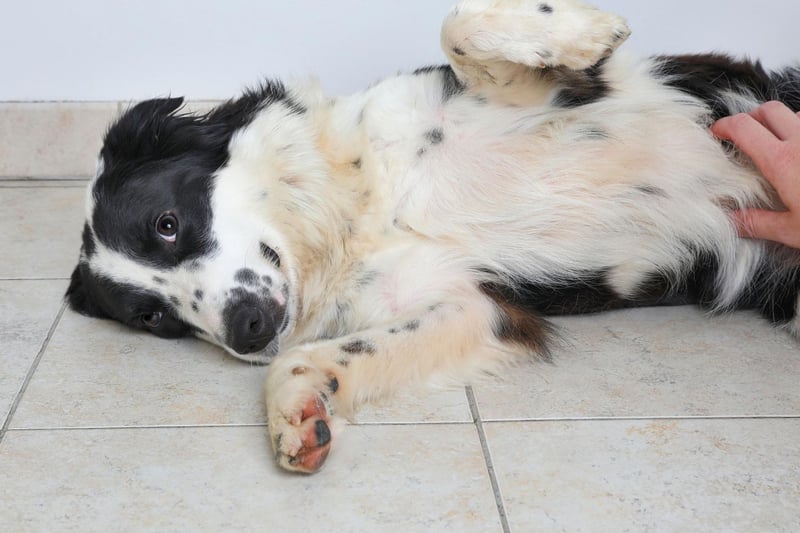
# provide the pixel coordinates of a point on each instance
(301, 409)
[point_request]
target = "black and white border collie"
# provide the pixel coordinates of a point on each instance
(423, 227)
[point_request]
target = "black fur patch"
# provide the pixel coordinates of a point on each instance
(518, 322)
(451, 85)
(545, 8)
(89, 247)
(247, 276)
(651, 190)
(358, 346)
(708, 76)
(435, 136)
(578, 88)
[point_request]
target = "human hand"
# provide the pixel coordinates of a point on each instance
(770, 135)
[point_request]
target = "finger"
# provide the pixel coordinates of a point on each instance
(753, 138)
(777, 226)
(779, 119)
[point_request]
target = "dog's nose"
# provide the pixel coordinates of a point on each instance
(250, 329)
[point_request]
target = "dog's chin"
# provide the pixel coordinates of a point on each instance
(264, 357)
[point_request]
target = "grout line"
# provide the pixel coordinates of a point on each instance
(31, 371)
(42, 186)
(487, 456)
(240, 425)
(642, 418)
(33, 279)
(49, 179)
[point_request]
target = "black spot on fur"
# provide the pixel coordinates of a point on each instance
(174, 300)
(333, 385)
(366, 278)
(270, 254)
(517, 322)
(359, 346)
(458, 51)
(435, 136)
(413, 325)
(195, 307)
(343, 363)
(651, 190)
(160, 281)
(451, 85)
(579, 88)
(594, 133)
(247, 276)
(545, 8)
(199, 295)
(357, 163)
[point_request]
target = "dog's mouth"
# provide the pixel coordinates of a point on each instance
(260, 358)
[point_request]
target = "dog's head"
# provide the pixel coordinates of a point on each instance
(168, 247)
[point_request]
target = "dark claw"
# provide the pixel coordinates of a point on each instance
(323, 433)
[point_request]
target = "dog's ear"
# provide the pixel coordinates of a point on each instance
(78, 296)
(143, 131)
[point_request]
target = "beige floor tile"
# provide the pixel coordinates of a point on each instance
(698, 475)
(27, 311)
(99, 373)
(398, 478)
(52, 139)
(419, 405)
(40, 231)
(654, 362)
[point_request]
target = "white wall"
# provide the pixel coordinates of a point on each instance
(125, 49)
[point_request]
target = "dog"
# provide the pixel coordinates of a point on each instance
(428, 225)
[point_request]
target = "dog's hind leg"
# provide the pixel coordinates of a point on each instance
(310, 386)
(522, 49)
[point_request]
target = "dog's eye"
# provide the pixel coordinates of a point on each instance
(270, 255)
(151, 320)
(167, 227)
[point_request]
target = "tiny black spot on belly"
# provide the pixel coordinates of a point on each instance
(594, 133)
(195, 307)
(357, 163)
(435, 136)
(246, 276)
(412, 325)
(199, 295)
(358, 346)
(160, 281)
(545, 8)
(652, 190)
(458, 51)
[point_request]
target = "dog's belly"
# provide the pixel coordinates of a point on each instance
(546, 193)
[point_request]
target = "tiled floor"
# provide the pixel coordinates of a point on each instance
(659, 420)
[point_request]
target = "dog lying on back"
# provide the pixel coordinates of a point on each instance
(425, 226)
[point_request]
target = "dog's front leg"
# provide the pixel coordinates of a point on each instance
(310, 386)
